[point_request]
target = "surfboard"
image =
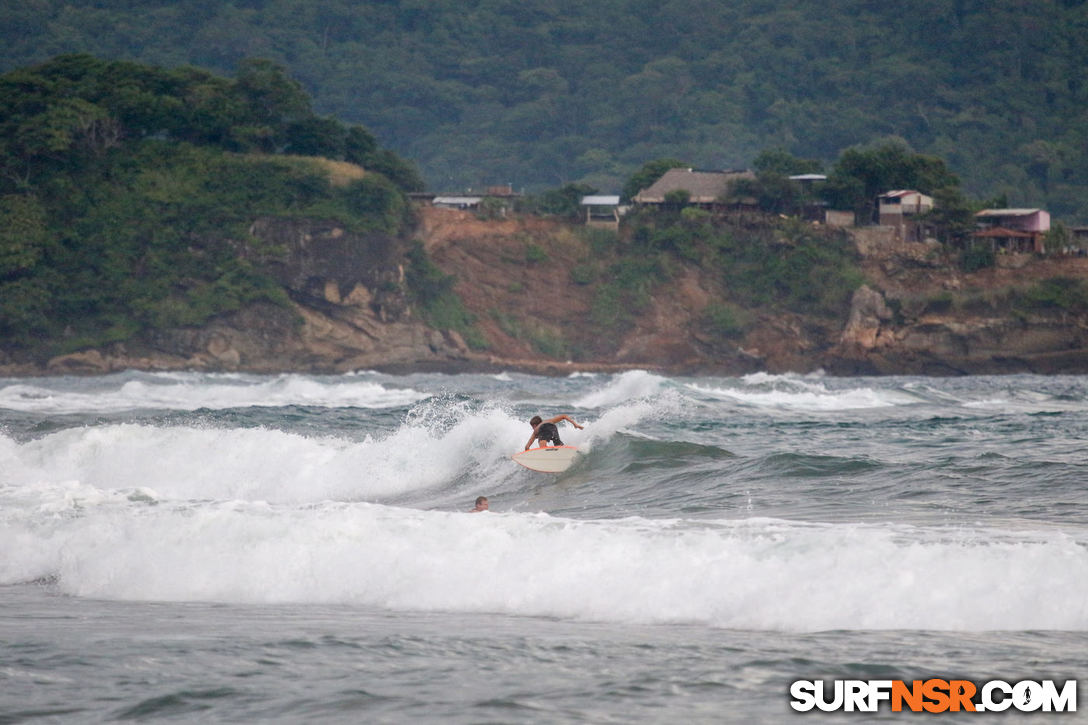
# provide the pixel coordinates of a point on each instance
(553, 459)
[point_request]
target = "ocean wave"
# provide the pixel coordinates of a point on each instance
(790, 393)
(193, 391)
(748, 574)
(446, 446)
(628, 386)
(764, 378)
(187, 462)
(442, 440)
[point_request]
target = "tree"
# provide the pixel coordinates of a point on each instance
(274, 102)
(359, 145)
(863, 173)
(779, 161)
(773, 191)
(23, 235)
(1058, 238)
(400, 172)
(951, 215)
(374, 197)
(565, 201)
(677, 199)
(315, 137)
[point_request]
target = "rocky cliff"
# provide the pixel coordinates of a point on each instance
(949, 322)
(349, 310)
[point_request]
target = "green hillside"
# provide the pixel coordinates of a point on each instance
(127, 192)
(538, 93)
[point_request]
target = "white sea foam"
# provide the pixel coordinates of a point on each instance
(1024, 401)
(189, 391)
(441, 439)
(187, 462)
(631, 385)
(188, 512)
(763, 378)
(989, 404)
(793, 393)
(753, 574)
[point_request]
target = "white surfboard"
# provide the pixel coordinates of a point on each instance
(553, 459)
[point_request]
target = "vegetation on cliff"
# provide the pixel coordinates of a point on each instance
(769, 264)
(126, 193)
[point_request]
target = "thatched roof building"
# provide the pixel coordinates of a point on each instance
(703, 187)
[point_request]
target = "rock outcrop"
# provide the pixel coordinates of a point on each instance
(868, 311)
(348, 311)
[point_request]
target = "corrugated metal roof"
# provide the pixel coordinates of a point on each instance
(601, 200)
(1008, 212)
(808, 177)
(457, 199)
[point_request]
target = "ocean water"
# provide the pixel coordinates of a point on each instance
(201, 548)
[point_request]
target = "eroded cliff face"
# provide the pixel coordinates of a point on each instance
(955, 343)
(517, 276)
(349, 310)
(908, 319)
(946, 322)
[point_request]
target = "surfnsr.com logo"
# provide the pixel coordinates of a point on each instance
(934, 695)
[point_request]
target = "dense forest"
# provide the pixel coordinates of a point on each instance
(541, 93)
(127, 192)
(131, 196)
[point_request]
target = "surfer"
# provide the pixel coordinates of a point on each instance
(546, 430)
(481, 505)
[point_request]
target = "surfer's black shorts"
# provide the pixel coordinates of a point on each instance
(548, 432)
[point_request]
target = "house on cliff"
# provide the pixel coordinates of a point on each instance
(501, 198)
(809, 205)
(456, 201)
(1013, 230)
(902, 210)
(703, 188)
(602, 210)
